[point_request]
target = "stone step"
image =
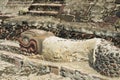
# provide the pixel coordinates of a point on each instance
(47, 7)
(44, 12)
(19, 2)
(5, 16)
(118, 5)
(50, 1)
(44, 4)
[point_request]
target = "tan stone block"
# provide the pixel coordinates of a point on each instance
(54, 69)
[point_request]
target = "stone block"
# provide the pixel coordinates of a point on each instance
(54, 69)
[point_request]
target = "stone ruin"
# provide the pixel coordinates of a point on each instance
(101, 54)
(61, 43)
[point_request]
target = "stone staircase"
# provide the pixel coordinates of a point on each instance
(46, 7)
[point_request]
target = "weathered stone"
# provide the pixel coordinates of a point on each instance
(43, 70)
(107, 64)
(54, 69)
(58, 49)
(31, 40)
(117, 1)
(76, 75)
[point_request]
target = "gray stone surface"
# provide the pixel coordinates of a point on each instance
(76, 75)
(106, 60)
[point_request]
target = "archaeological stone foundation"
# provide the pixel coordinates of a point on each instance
(76, 39)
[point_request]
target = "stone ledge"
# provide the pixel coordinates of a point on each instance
(76, 70)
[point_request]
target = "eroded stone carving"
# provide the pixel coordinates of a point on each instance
(101, 54)
(31, 40)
